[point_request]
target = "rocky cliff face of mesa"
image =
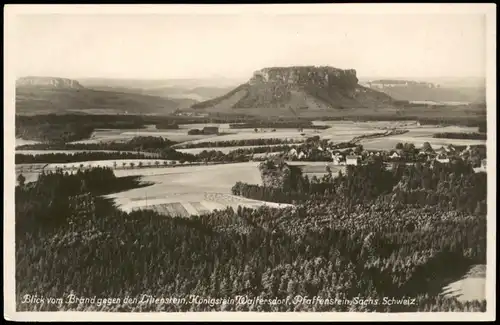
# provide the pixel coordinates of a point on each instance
(299, 90)
(304, 76)
(48, 82)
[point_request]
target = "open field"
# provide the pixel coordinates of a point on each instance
(109, 135)
(108, 163)
(225, 150)
(44, 152)
(419, 135)
(339, 131)
(247, 134)
(189, 190)
(31, 171)
(472, 286)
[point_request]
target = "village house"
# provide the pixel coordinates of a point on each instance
(450, 148)
(442, 151)
(394, 155)
(336, 158)
(292, 153)
(210, 130)
(352, 160)
(302, 155)
(442, 159)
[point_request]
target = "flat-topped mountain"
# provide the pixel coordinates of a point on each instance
(48, 82)
(298, 90)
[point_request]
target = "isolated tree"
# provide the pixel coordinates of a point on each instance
(399, 146)
(359, 149)
(157, 163)
(426, 147)
(140, 164)
(256, 130)
(132, 165)
(124, 164)
(21, 179)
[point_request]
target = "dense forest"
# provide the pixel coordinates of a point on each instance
(461, 135)
(455, 186)
(356, 242)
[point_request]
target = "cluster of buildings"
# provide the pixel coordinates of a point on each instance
(337, 157)
(355, 156)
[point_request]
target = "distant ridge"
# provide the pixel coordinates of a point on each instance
(43, 95)
(48, 82)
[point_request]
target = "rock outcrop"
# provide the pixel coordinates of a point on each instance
(298, 89)
(48, 82)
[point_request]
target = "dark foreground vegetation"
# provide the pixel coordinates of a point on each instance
(357, 242)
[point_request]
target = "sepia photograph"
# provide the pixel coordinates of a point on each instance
(250, 162)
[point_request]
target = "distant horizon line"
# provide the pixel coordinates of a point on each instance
(241, 78)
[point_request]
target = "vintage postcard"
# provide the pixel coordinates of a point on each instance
(250, 162)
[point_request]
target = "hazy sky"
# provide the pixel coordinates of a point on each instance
(199, 46)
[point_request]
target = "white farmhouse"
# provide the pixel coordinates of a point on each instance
(443, 159)
(302, 155)
(352, 160)
(395, 155)
(336, 159)
(292, 153)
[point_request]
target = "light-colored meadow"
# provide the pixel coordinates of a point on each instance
(472, 286)
(189, 189)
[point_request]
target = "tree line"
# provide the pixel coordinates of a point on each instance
(297, 124)
(75, 157)
(238, 143)
(461, 135)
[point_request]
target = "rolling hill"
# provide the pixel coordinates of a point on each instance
(192, 95)
(298, 91)
(194, 89)
(42, 95)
